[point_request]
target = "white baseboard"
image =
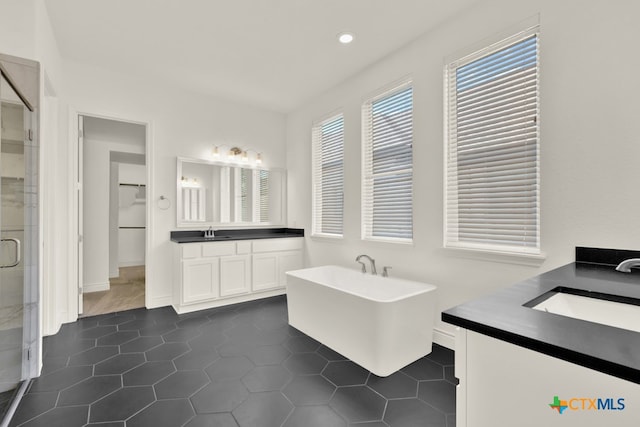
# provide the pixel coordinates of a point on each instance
(87, 288)
(161, 301)
(130, 263)
(49, 328)
(228, 301)
(444, 338)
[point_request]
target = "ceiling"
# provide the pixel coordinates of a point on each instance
(275, 54)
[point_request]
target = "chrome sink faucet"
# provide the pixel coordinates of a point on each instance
(371, 260)
(625, 266)
(209, 233)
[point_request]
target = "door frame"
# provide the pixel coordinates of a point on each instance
(74, 165)
(23, 76)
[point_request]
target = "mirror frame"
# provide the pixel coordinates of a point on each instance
(180, 223)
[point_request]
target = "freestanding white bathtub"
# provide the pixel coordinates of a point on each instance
(380, 323)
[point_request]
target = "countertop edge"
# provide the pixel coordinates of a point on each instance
(605, 366)
(505, 314)
(230, 239)
(196, 236)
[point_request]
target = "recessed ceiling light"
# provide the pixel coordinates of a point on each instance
(345, 38)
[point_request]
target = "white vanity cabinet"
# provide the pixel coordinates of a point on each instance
(235, 271)
(272, 258)
(503, 384)
(199, 270)
(202, 277)
(212, 274)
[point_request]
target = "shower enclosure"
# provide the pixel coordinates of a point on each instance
(18, 228)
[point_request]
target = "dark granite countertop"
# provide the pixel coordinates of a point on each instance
(607, 349)
(192, 236)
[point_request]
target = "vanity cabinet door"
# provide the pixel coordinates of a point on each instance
(269, 268)
(287, 261)
(200, 279)
(235, 273)
(265, 271)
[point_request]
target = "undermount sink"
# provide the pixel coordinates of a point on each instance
(624, 315)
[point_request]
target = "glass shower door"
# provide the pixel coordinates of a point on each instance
(13, 113)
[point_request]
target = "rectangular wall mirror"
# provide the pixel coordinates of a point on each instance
(225, 194)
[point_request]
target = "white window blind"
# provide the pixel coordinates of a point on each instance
(245, 195)
(493, 141)
(387, 165)
(263, 185)
(328, 176)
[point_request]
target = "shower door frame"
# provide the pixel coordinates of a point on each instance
(24, 78)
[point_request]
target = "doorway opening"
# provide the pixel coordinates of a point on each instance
(113, 199)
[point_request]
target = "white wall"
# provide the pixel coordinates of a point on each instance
(180, 124)
(132, 174)
(589, 144)
(17, 28)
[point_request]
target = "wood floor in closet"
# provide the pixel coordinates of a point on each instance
(127, 292)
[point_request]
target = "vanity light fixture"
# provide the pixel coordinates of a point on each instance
(345, 38)
(189, 182)
(235, 154)
(234, 151)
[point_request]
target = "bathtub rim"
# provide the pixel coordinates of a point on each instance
(427, 287)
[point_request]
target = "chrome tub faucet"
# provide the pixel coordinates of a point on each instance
(371, 260)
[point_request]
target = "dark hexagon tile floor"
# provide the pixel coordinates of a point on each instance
(234, 366)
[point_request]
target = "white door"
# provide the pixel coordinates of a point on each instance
(18, 235)
(80, 204)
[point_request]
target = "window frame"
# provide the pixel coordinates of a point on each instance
(316, 173)
(367, 174)
(451, 65)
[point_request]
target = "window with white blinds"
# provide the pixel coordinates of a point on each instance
(246, 177)
(263, 185)
(328, 177)
(492, 194)
(387, 165)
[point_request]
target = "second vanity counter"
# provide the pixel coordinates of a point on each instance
(526, 367)
(503, 315)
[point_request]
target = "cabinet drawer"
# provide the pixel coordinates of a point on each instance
(244, 248)
(218, 249)
(190, 250)
(277, 245)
